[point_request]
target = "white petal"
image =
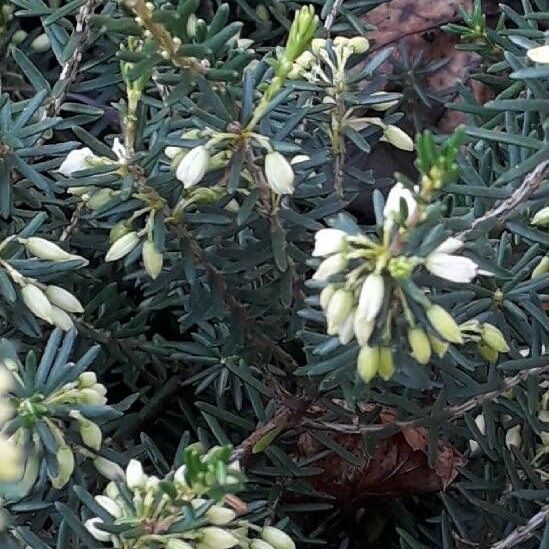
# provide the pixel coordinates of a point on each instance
(279, 173)
(539, 54)
(392, 204)
(346, 329)
(76, 160)
(371, 297)
(455, 268)
(450, 246)
(330, 266)
(193, 167)
(328, 241)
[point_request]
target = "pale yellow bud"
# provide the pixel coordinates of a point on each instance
(61, 319)
(65, 461)
(444, 323)
(63, 299)
(368, 362)
(419, 343)
(35, 299)
(493, 337)
(122, 247)
(277, 538)
(152, 259)
(359, 44)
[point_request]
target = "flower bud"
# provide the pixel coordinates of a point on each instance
(91, 396)
(152, 259)
(338, 309)
(108, 468)
(368, 362)
(91, 527)
(330, 266)
(11, 461)
(325, 295)
(363, 329)
(419, 343)
(100, 198)
(63, 299)
(541, 218)
(135, 477)
(346, 328)
(539, 54)
(359, 44)
(61, 319)
(177, 544)
(109, 505)
(385, 105)
(172, 152)
(279, 173)
(41, 43)
(35, 299)
(493, 337)
(87, 379)
(371, 296)
(44, 249)
(487, 353)
(89, 431)
(513, 437)
(218, 538)
(122, 247)
(542, 268)
(328, 242)
(440, 347)
(317, 45)
(341, 41)
(260, 544)
(398, 138)
(77, 160)
(18, 37)
(220, 516)
(386, 368)
(65, 461)
(119, 230)
(277, 538)
(443, 322)
(193, 167)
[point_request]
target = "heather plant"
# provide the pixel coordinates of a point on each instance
(205, 344)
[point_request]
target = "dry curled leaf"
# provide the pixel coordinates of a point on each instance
(395, 466)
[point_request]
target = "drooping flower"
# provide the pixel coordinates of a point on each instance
(339, 308)
(123, 246)
(329, 241)
(392, 204)
(371, 297)
(330, 266)
(77, 160)
(455, 268)
(193, 166)
(279, 173)
(444, 323)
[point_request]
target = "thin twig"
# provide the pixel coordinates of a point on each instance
(506, 208)
(522, 533)
(289, 413)
(70, 68)
(330, 18)
(442, 415)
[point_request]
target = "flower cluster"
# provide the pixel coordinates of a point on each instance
(369, 285)
(49, 302)
(186, 509)
(10, 454)
(51, 400)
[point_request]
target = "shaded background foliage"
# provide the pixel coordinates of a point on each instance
(225, 346)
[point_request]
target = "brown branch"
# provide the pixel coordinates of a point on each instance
(445, 414)
(289, 413)
(507, 207)
(522, 533)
